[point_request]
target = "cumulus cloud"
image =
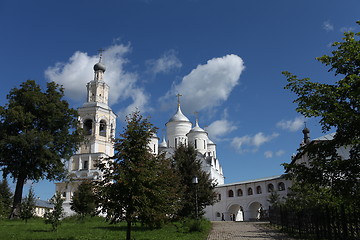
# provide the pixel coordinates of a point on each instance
(75, 73)
(220, 128)
(208, 85)
(270, 154)
(327, 26)
(251, 143)
(291, 125)
(167, 62)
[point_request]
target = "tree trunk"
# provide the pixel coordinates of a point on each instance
(128, 230)
(15, 213)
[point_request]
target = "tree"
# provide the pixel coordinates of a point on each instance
(337, 106)
(83, 201)
(54, 217)
(38, 131)
(28, 206)
(137, 185)
(188, 165)
(5, 198)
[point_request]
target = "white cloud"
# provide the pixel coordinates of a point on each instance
(327, 26)
(208, 85)
(347, 29)
(280, 153)
(268, 154)
(247, 143)
(78, 71)
(167, 62)
(291, 125)
(220, 128)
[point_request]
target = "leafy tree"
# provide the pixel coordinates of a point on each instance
(54, 217)
(28, 206)
(83, 201)
(37, 131)
(337, 106)
(188, 166)
(274, 199)
(5, 198)
(137, 185)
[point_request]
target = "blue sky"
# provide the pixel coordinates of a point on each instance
(225, 58)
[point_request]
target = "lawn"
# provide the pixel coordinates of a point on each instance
(92, 228)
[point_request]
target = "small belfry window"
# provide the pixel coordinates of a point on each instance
(195, 144)
(102, 129)
(86, 165)
(281, 186)
(88, 124)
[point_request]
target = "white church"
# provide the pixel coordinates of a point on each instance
(239, 201)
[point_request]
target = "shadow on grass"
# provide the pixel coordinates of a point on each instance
(39, 230)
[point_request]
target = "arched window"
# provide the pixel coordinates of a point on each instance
(281, 186)
(102, 129)
(250, 191)
(270, 187)
(88, 125)
(219, 196)
(239, 193)
(218, 214)
(231, 193)
(86, 165)
(258, 190)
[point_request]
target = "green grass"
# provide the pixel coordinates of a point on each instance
(91, 229)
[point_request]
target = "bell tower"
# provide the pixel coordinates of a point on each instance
(99, 123)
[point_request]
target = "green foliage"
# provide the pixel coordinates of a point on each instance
(274, 199)
(54, 217)
(189, 225)
(337, 105)
(37, 131)
(5, 199)
(137, 185)
(187, 166)
(83, 201)
(28, 206)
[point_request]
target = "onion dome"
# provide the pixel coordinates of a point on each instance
(179, 116)
(99, 67)
(163, 144)
(197, 128)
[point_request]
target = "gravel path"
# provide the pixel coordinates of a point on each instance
(244, 231)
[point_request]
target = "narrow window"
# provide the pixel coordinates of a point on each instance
(258, 190)
(64, 195)
(195, 144)
(219, 196)
(239, 192)
(231, 193)
(88, 127)
(250, 191)
(270, 187)
(86, 165)
(281, 186)
(175, 142)
(102, 130)
(204, 145)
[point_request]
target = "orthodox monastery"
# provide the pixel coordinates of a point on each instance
(237, 201)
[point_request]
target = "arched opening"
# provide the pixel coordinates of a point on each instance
(231, 193)
(270, 187)
(239, 193)
(88, 126)
(250, 191)
(102, 128)
(254, 211)
(258, 190)
(281, 186)
(235, 213)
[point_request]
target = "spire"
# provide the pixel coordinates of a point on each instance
(306, 132)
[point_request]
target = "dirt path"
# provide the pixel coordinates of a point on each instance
(244, 231)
